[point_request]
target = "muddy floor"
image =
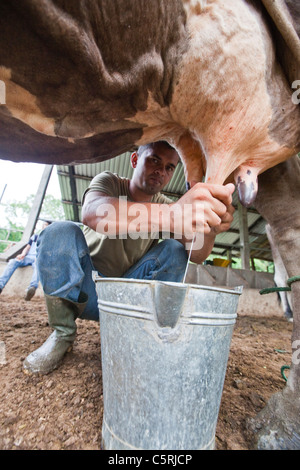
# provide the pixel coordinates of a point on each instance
(63, 410)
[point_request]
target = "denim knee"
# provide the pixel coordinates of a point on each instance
(57, 228)
(178, 252)
(62, 236)
(63, 260)
(171, 262)
(12, 262)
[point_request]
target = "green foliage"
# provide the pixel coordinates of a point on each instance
(52, 209)
(260, 265)
(16, 214)
(9, 235)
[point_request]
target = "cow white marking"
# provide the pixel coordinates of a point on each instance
(159, 123)
(22, 105)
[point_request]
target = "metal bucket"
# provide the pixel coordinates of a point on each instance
(165, 348)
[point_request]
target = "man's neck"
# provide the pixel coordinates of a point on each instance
(137, 194)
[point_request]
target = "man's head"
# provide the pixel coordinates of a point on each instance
(154, 165)
(46, 223)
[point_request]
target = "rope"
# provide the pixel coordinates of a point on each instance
(282, 372)
(280, 289)
(293, 279)
(282, 369)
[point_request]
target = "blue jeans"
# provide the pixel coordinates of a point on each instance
(14, 264)
(65, 266)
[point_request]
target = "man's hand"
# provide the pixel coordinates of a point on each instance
(226, 221)
(201, 209)
(204, 208)
(212, 214)
(24, 253)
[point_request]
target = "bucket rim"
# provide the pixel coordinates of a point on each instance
(237, 290)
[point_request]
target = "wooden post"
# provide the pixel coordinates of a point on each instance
(244, 236)
(73, 193)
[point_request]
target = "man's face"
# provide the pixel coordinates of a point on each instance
(154, 168)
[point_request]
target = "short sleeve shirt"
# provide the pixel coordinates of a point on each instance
(112, 257)
(32, 242)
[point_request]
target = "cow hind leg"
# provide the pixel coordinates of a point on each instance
(286, 306)
(277, 426)
(270, 430)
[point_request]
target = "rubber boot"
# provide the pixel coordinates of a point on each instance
(62, 314)
(30, 293)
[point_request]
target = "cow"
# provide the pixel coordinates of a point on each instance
(280, 277)
(277, 425)
(218, 79)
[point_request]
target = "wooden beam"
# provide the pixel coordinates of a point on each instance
(33, 216)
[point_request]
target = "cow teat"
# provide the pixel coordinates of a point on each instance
(247, 186)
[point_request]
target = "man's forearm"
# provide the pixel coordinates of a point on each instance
(118, 216)
(25, 251)
(197, 210)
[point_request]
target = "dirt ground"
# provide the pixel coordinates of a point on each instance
(63, 410)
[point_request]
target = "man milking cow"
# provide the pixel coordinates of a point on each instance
(123, 222)
(85, 81)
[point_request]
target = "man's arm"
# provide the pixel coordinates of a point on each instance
(115, 216)
(24, 253)
(215, 210)
(199, 210)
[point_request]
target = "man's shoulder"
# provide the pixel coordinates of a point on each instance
(33, 238)
(104, 174)
(107, 176)
(162, 199)
(109, 183)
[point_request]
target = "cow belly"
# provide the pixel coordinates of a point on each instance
(27, 145)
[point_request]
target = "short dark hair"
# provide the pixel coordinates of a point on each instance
(142, 148)
(46, 221)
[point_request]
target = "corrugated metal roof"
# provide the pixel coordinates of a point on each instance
(75, 180)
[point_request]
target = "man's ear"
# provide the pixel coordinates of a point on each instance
(134, 159)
